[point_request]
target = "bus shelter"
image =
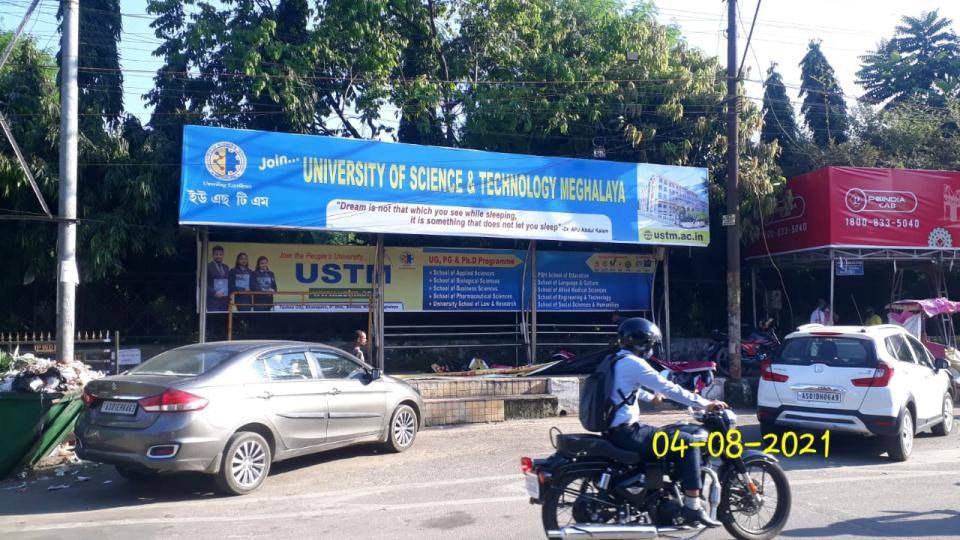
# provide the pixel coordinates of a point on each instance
(845, 221)
(258, 180)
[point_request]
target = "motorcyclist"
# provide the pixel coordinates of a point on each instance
(634, 380)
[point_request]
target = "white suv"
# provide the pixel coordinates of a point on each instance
(873, 380)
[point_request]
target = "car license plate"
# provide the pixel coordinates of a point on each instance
(128, 408)
(533, 486)
(822, 397)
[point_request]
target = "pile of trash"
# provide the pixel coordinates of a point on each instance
(27, 373)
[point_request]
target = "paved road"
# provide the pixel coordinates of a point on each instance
(464, 482)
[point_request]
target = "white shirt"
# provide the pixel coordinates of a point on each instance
(821, 316)
(632, 373)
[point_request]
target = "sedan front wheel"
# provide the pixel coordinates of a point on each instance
(402, 430)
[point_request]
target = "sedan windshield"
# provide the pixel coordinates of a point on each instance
(185, 362)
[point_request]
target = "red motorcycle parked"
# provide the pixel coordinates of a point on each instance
(693, 376)
(758, 347)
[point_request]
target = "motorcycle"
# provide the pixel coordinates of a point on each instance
(758, 347)
(592, 489)
(692, 376)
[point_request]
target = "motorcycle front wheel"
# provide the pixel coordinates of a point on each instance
(576, 500)
(742, 517)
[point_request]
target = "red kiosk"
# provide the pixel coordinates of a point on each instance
(841, 219)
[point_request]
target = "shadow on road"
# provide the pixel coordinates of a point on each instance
(846, 450)
(94, 495)
(891, 524)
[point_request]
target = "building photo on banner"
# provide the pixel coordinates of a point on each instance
(325, 278)
(257, 179)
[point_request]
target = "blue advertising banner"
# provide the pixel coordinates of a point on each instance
(569, 281)
(422, 279)
(277, 180)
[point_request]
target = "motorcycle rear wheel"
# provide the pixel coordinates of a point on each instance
(737, 518)
(573, 502)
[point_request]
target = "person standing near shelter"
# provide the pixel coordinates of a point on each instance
(822, 314)
(264, 281)
(218, 282)
(872, 318)
(359, 344)
(240, 281)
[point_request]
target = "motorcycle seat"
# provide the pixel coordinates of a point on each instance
(595, 446)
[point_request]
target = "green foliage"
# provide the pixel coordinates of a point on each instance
(99, 79)
(920, 63)
(545, 77)
(824, 109)
(779, 120)
(29, 100)
(908, 135)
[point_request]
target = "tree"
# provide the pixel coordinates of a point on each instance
(100, 80)
(29, 100)
(824, 109)
(427, 94)
(908, 135)
(779, 120)
(921, 62)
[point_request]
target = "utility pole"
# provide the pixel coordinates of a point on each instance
(731, 220)
(68, 277)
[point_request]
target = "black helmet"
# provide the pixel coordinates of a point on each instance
(639, 333)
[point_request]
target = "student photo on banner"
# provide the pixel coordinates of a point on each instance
(240, 276)
(218, 282)
(263, 282)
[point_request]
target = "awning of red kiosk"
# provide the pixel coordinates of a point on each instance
(855, 207)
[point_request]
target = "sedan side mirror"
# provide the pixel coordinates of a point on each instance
(940, 363)
(375, 374)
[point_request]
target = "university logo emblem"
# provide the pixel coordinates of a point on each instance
(225, 161)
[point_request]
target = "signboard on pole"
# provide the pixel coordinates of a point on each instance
(422, 279)
(277, 180)
(849, 268)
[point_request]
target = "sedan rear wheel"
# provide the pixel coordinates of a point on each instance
(246, 463)
(402, 429)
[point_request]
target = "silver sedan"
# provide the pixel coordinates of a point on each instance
(230, 409)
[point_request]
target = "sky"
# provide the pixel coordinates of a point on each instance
(847, 28)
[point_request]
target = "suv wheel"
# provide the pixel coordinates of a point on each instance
(945, 427)
(245, 465)
(900, 446)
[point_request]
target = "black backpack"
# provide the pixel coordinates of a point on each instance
(596, 408)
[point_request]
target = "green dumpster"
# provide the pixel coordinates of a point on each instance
(33, 425)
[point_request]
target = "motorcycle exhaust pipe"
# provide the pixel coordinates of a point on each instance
(623, 532)
(604, 532)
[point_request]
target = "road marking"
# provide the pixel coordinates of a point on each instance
(343, 509)
(892, 476)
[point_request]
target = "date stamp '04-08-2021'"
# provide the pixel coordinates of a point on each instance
(788, 444)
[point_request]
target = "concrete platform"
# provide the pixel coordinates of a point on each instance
(466, 400)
